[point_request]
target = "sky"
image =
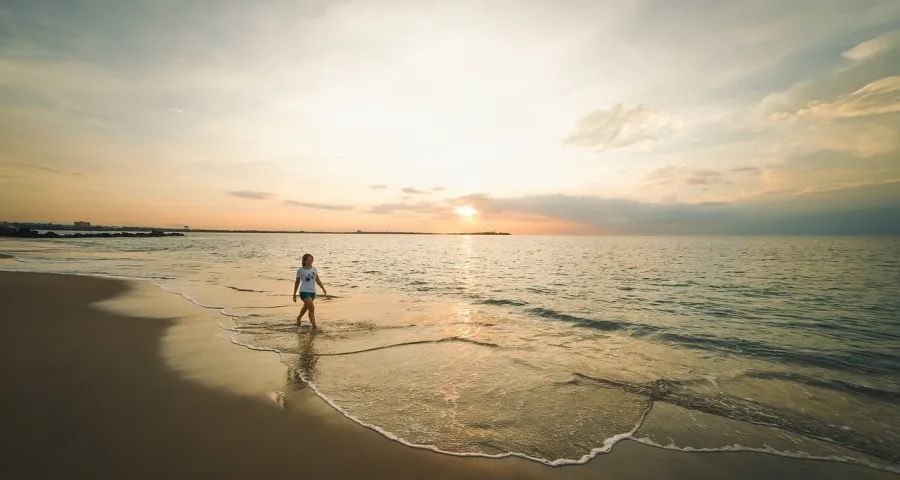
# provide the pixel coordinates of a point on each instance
(644, 117)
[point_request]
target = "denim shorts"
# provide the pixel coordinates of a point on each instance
(309, 295)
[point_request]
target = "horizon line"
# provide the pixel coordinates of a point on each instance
(60, 226)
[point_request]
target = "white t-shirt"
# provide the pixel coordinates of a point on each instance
(307, 279)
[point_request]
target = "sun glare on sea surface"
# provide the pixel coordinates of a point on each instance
(466, 212)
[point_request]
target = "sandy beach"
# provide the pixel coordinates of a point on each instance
(94, 388)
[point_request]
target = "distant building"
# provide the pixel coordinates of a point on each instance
(80, 223)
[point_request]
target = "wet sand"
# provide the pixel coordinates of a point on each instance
(107, 378)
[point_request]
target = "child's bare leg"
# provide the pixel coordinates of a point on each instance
(312, 312)
(302, 312)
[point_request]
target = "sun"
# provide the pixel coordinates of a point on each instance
(466, 212)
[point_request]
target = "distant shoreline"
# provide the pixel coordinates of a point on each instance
(345, 233)
(106, 228)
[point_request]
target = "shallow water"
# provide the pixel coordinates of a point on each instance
(554, 347)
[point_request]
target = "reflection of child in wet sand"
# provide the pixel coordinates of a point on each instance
(306, 361)
(307, 278)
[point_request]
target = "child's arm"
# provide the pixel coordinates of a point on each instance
(319, 281)
(296, 284)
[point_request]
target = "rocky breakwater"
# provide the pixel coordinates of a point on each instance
(30, 233)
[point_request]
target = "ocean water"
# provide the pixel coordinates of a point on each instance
(555, 348)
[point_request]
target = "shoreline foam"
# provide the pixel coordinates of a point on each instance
(607, 446)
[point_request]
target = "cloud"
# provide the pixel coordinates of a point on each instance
(414, 191)
(854, 108)
(688, 176)
(251, 194)
(865, 208)
(41, 168)
(320, 206)
(828, 170)
(620, 126)
(378, 187)
(437, 189)
(870, 63)
(876, 98)
(863, 137)
(874, 47)
(426, 208)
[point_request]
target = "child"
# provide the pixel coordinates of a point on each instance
(307, 278)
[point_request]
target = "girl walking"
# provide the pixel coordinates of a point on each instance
(307, 278)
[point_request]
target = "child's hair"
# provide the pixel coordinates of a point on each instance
(303, 260)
